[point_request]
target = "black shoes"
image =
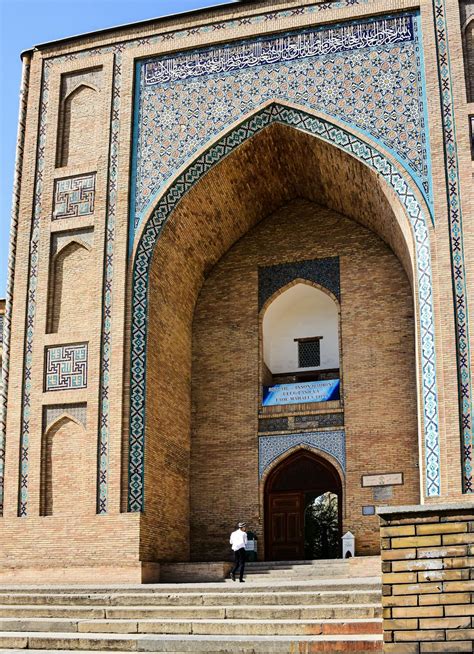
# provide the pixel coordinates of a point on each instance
(242, 581)
(232, 576)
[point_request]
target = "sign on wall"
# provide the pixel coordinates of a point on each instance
(304, 392)
(389, 479)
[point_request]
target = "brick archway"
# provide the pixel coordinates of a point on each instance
(400, 195)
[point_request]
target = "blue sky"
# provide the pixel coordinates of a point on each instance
(24, 23)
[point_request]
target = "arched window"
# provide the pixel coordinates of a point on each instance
(301, 345)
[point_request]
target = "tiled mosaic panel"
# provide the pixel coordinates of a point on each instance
(457, 248)
(324, 272)
(330, 442)
(296, 423)
(74, 197)
(368, 75)
(65, 367)
(323, 420)
(273, 424)
(368, 155)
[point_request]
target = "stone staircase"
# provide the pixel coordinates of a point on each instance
(283, 607)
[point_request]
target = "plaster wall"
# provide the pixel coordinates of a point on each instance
(300, 312)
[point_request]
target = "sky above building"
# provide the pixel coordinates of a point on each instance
(24, 23)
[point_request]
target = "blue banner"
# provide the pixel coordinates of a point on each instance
(302, 392)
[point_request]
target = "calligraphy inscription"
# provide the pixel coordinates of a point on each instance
(325, 41)
(390, 479)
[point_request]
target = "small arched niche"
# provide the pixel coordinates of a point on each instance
(71, 272)
(67, 474)
(301, 339)
(78, 127)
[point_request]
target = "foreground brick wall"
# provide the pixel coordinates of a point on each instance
(428, 578)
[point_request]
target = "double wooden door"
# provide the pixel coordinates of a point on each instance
(299, 477)
(286, 519)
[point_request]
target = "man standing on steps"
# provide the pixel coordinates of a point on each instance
(238, 540)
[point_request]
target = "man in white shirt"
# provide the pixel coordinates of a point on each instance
(238, 540)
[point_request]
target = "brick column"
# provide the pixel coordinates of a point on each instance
(428, 578)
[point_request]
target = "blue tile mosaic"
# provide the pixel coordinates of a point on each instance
(65, 367)
(324, 272)
(330, 442)
(74, 197)
(367, 74)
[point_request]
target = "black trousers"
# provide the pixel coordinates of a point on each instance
(239, 562)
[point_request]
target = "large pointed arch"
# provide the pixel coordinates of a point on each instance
(398, 185)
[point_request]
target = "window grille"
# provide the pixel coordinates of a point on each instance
(309, 352)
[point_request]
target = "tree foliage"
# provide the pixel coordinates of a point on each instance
(322, 538)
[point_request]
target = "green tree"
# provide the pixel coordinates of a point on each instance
(322, 538)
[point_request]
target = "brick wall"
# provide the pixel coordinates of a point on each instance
(428, 578)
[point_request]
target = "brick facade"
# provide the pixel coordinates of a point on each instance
(139, 252)
(427, 577)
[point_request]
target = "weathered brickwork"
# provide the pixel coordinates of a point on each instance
(211, 158)
(428, 572)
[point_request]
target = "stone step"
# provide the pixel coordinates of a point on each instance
(358, 566)
(210, 627)
(252, 596)
(242, 612)
(372, 582)
(336, 644)
(301, 573)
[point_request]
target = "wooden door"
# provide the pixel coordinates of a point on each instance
(286, 526)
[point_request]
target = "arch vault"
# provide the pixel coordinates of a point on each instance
(343, 171)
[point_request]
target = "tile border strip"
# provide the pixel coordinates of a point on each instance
(458, 273)
(15, 215)
(31, 297)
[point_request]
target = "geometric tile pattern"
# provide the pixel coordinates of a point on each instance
(457, 246)
(273, 424)
(271, 447)
(15, 213)
(74, 196)
(31, 297)
(65, 367)
(323, 420)
(106, 335)
(324, 272)
(368, 74)
(353, 145)
(2, 321)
